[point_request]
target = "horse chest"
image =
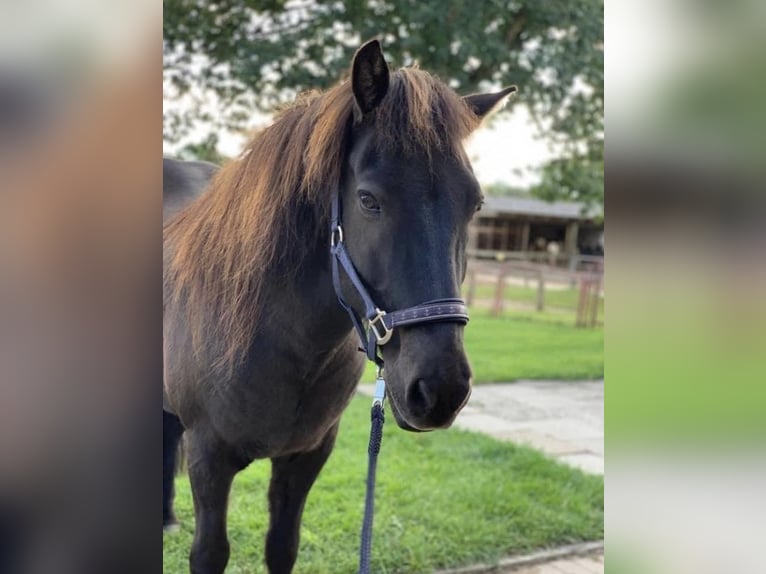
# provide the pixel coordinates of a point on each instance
(291, 410)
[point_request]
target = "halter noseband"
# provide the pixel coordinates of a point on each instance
(381, 324)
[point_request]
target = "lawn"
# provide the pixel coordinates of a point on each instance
(529, 345)
(445, 498)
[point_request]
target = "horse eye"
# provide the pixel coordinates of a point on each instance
(479, 206)
(368, 201)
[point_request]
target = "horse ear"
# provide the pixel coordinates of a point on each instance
(369, 76)
(483, 104)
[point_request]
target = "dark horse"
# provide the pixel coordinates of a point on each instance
(260, 359)
(183, 181)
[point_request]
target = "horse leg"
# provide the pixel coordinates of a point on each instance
(291, 479)
(171, 435)
(211, 471)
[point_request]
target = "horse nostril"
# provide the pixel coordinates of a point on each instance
(419, 398)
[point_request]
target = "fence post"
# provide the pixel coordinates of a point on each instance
(595, 296)
(540, 290)
(582, 303)
(574, 259)
(471, 286)
(497, 307)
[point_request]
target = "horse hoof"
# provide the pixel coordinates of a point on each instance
(171, 527)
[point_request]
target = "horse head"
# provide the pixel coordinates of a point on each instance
(408, 193)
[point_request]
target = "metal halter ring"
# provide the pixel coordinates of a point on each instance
(387, 333)
(336, 236)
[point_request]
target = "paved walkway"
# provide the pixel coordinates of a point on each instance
(563, 419)
(577, 565)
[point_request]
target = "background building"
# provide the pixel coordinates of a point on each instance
(525, 228)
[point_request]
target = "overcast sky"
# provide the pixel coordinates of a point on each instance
(505, 150)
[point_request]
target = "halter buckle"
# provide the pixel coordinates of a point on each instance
(336, 236)
(385, 337)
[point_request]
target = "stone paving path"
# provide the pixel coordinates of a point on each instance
(563, 419)
(577, 565)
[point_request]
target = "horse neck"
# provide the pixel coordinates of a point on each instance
(306, 304)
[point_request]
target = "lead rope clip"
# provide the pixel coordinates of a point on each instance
(379, 397)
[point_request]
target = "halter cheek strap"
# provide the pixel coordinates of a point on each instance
(381, 324)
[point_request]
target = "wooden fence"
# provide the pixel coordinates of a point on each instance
(571, 262)
(541, 278)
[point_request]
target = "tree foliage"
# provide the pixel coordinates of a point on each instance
(575, 178)
(499, 188)
(205, 150)
(260, 53)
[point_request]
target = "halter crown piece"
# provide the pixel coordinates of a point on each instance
(380, 328)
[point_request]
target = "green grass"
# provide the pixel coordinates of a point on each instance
(512, 347)
(529, 345)
(443, 499)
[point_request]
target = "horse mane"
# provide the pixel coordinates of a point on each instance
(220, 249)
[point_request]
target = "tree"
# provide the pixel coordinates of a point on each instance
(205, 150)
(500, 188)
(260, 53)
(575, 178)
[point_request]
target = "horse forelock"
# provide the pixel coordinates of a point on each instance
(220, 248)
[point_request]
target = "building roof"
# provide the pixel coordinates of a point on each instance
(494, 204)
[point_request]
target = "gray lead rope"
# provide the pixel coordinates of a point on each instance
(380, 328)
(377, 418)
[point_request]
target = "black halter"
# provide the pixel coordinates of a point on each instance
(381, 324)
